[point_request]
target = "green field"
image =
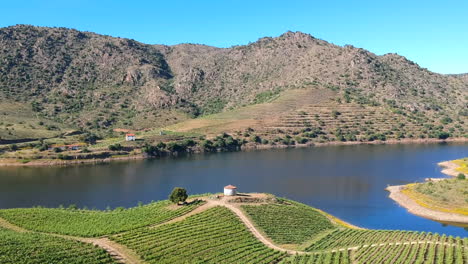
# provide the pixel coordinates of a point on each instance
(89, 223)
(290, 223)
(214, 236)
(35, 248)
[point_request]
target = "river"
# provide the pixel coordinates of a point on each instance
(346, 181)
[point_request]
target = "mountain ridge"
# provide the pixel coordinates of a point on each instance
(98, 82)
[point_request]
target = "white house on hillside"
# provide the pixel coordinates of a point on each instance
(230, 190)
(130, 137)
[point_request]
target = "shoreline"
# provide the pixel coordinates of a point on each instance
(41, 163)
(414, 208)
(396, 194)
(449, 168)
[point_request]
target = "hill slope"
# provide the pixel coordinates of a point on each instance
(68, 79)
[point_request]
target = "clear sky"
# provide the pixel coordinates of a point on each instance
(434, 34)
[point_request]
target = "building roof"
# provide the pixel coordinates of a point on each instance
(130, 135)
(230, 187)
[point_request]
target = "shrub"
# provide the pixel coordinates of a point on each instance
(256, 139)
(461, 176)
(175, 147)
(57, 150)
(161, 145)
(207, 145)
(178, 195)
(335, 114)
(443, 135)
(64, 157)
(115, 147)
(14, 147)
(151, 150)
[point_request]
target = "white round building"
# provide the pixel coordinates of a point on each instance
(230, 190)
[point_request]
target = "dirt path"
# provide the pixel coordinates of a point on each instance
(256, 232)
(7, 225)
(119, 252)
(415, 208)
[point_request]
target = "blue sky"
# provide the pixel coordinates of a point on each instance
(434, 34)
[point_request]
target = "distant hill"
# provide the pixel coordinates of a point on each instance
(55, 79)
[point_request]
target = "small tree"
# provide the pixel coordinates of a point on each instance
(178, 195)
(461, 176)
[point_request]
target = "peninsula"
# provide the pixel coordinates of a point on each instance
(440, 199)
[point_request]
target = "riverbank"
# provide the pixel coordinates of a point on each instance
(419, 198)
(449, 168)
(396, 193)
(247, 147)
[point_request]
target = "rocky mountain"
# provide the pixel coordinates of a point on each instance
(97, 82)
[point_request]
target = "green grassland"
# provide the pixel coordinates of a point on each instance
(89, 223)
(33, 248)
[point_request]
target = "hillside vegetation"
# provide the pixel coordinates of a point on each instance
(95, 82)
(245, 229)
(61, 86)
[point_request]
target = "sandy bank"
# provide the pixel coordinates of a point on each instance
(449, 168)
(414, 208)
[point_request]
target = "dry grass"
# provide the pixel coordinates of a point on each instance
(449, 195)
(463, 163)
(18, 121)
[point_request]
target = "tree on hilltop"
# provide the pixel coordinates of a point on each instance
(178, 195)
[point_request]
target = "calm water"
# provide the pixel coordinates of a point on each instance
(346, 181)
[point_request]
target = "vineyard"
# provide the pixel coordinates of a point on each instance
(213, 236)
(216, 233)
(35, 248)
(90, 223)
(437, 253)
(290, 223)
(355, 238)
(339, 257)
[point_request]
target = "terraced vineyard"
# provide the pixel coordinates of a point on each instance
(354, 119)
(89, 223)
(339, 257)
(35, 248)
(348, 238)
(213, 236)
(291, 223)
(441, 253)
